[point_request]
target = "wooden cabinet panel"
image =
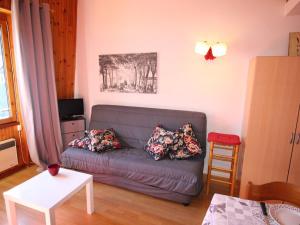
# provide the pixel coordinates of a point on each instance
(272, 117)
(294, 173)
(71, 130)
(72, 126)
(67, 138)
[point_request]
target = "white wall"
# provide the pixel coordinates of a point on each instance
(171, 28)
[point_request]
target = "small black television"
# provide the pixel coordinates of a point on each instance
(70, 108)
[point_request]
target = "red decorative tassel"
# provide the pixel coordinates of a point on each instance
(209, 55)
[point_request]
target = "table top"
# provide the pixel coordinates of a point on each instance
(43, 191)
(229, 210)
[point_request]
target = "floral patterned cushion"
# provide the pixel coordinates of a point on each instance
(82, 142)
(97, 141)
(159, 143)
(185, 144)
(103, 140)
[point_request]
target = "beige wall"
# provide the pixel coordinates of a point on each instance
(171, 28)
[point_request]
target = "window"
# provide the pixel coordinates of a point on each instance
(7, 98)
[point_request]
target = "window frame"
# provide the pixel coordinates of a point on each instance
(5, 26)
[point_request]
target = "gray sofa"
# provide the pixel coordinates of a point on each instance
(133, 168)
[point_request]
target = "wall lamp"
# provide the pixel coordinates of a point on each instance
(210, 51)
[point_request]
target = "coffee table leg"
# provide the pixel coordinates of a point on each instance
(50, 217)
(90, 197)
(11, 212)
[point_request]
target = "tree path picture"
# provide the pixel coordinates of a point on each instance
(129, 73)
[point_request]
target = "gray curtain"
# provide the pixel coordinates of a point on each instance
(36, 80)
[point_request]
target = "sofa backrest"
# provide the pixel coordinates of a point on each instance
(134, 125)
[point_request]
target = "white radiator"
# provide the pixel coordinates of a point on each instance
(8, 154)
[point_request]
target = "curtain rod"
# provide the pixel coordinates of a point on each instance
(5, 11)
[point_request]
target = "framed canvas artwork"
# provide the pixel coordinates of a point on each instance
(128, 73)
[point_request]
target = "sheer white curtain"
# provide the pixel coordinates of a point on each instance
(36, 80)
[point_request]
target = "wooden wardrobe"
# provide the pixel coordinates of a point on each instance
(271, 129)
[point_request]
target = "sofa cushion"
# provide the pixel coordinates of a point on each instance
(82, 142)
(103, 140)
(185, 144)
(137, 165)
(159, 143)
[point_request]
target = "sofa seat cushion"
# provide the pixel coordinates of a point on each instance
(180, 176)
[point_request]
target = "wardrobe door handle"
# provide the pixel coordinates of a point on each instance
(292, 138)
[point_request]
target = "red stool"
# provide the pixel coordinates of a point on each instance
(228, 142)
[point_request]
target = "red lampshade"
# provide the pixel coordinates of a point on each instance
(209, 55)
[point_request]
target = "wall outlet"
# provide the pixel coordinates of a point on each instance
(19, 127)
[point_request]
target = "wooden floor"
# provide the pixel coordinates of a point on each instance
(112, 206)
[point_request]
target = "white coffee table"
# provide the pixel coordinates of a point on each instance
(44, 193)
